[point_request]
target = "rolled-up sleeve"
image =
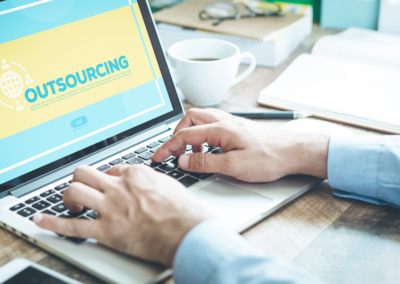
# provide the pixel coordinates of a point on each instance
(366, 168)
(211, 254)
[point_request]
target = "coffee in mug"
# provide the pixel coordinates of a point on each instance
(205, 69)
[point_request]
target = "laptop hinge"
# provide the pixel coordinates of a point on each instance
(89, 160)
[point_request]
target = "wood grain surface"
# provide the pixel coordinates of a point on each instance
(339, 240)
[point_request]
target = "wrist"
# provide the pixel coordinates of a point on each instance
(310, 155)
(172, 242)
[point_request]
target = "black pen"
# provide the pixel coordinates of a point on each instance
(272, 114)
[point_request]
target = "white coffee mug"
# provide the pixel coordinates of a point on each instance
(205, 82)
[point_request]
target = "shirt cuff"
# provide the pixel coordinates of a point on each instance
(353, 167)
(202, 251)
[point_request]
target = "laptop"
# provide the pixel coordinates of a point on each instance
(87, 82)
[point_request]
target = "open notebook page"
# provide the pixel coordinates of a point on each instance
(361, 46)
(343, 91)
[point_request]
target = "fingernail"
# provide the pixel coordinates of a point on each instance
(184, 161)
(38, 218)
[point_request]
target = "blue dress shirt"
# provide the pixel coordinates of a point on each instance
(365, 168)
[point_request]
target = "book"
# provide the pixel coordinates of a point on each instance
(270, 44)
(352, 77)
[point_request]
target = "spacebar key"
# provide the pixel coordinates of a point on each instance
(188, 181)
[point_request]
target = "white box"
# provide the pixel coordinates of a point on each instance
(389, 17)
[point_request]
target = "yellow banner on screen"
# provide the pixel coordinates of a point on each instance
(55, 72)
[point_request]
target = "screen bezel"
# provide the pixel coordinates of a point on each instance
(173, 96)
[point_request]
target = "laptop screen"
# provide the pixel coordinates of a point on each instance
(74, 73)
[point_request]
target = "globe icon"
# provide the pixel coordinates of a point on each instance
(11, 84)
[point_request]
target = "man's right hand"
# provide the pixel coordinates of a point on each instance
(252, 152)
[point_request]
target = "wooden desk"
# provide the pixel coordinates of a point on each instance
(339, 240)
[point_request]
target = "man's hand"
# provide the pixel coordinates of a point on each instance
(141, 212)
(252, 151)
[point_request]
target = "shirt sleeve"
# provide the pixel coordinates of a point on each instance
(366, 168)
(210, 254)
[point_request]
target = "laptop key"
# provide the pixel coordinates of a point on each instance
(141, 150)
(41, 205)
(151, 164)
(145, 156)
(76, 240)
(183, 171)
(116, 162)
(152, 145)
(160, 171)
(49, 212)
(197, 175)
(47, 193)
(77, 214)
(66, 216)
(188, 148)
(175, 161)
(170, 158)
(33, 199)
(104, 167)
(92, 214)
(163, 140)
(134, 161)
(59, 208)
(168, 167)
(61, 186)
(176, 174)
(55, 198)
(17, 207)
(188, 181)
(217, 151)
(128, 156)
(26, 212)
(153, 150)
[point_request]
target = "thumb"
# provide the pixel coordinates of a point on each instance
(205, 163)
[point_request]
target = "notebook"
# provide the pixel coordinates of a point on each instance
(352, 77)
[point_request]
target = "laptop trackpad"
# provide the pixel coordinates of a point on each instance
(232, 204)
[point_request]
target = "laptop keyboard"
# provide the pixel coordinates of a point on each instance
(50, 201)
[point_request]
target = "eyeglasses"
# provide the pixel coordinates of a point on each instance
(222, 11)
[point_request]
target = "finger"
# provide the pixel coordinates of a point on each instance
(84, 229)
(93, 178)
(209, 163)
(116, 171)
(79, 195)
(190, 136)
(180, 152)
(195, 117)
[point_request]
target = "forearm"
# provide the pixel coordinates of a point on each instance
(211, 254)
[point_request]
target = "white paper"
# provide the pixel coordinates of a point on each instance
(361, 94)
